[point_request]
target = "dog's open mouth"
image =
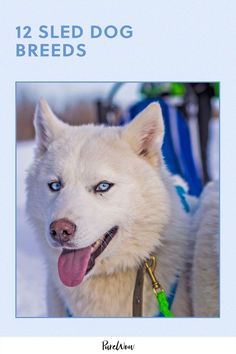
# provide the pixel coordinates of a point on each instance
(73, 265)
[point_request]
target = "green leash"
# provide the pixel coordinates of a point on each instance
(160, 293)
(163, 303)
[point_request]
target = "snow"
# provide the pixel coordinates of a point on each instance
(31, 279)
(31, 273)
(62, 93)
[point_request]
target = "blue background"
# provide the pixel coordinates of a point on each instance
(173, 41)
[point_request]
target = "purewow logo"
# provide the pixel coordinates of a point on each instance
(118, 346)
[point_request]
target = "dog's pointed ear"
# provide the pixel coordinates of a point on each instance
(47, 126)
(145, 133)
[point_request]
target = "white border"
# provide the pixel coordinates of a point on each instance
(167, 345)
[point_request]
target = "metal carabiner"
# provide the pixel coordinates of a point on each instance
(150, 265)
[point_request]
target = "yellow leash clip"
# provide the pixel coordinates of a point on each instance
(150, 266)
(159, 291)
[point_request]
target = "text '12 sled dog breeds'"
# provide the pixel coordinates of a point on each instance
(102, 202)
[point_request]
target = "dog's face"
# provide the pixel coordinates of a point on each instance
(97, 192)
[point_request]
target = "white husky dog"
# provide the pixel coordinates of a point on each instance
(104, 201)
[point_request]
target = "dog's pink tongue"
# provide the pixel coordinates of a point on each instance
(72, 266)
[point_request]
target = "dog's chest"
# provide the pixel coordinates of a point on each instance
(103, 296)
(108, 296)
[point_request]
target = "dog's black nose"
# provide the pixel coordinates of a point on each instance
(62, 230)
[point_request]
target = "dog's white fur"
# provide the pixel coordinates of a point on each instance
(143, 203)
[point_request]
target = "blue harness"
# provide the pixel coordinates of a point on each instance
(182, 195)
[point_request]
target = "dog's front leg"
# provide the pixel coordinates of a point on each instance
(55, 304)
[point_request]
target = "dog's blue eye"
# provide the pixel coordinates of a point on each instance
(54, 186)
(103, 186)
